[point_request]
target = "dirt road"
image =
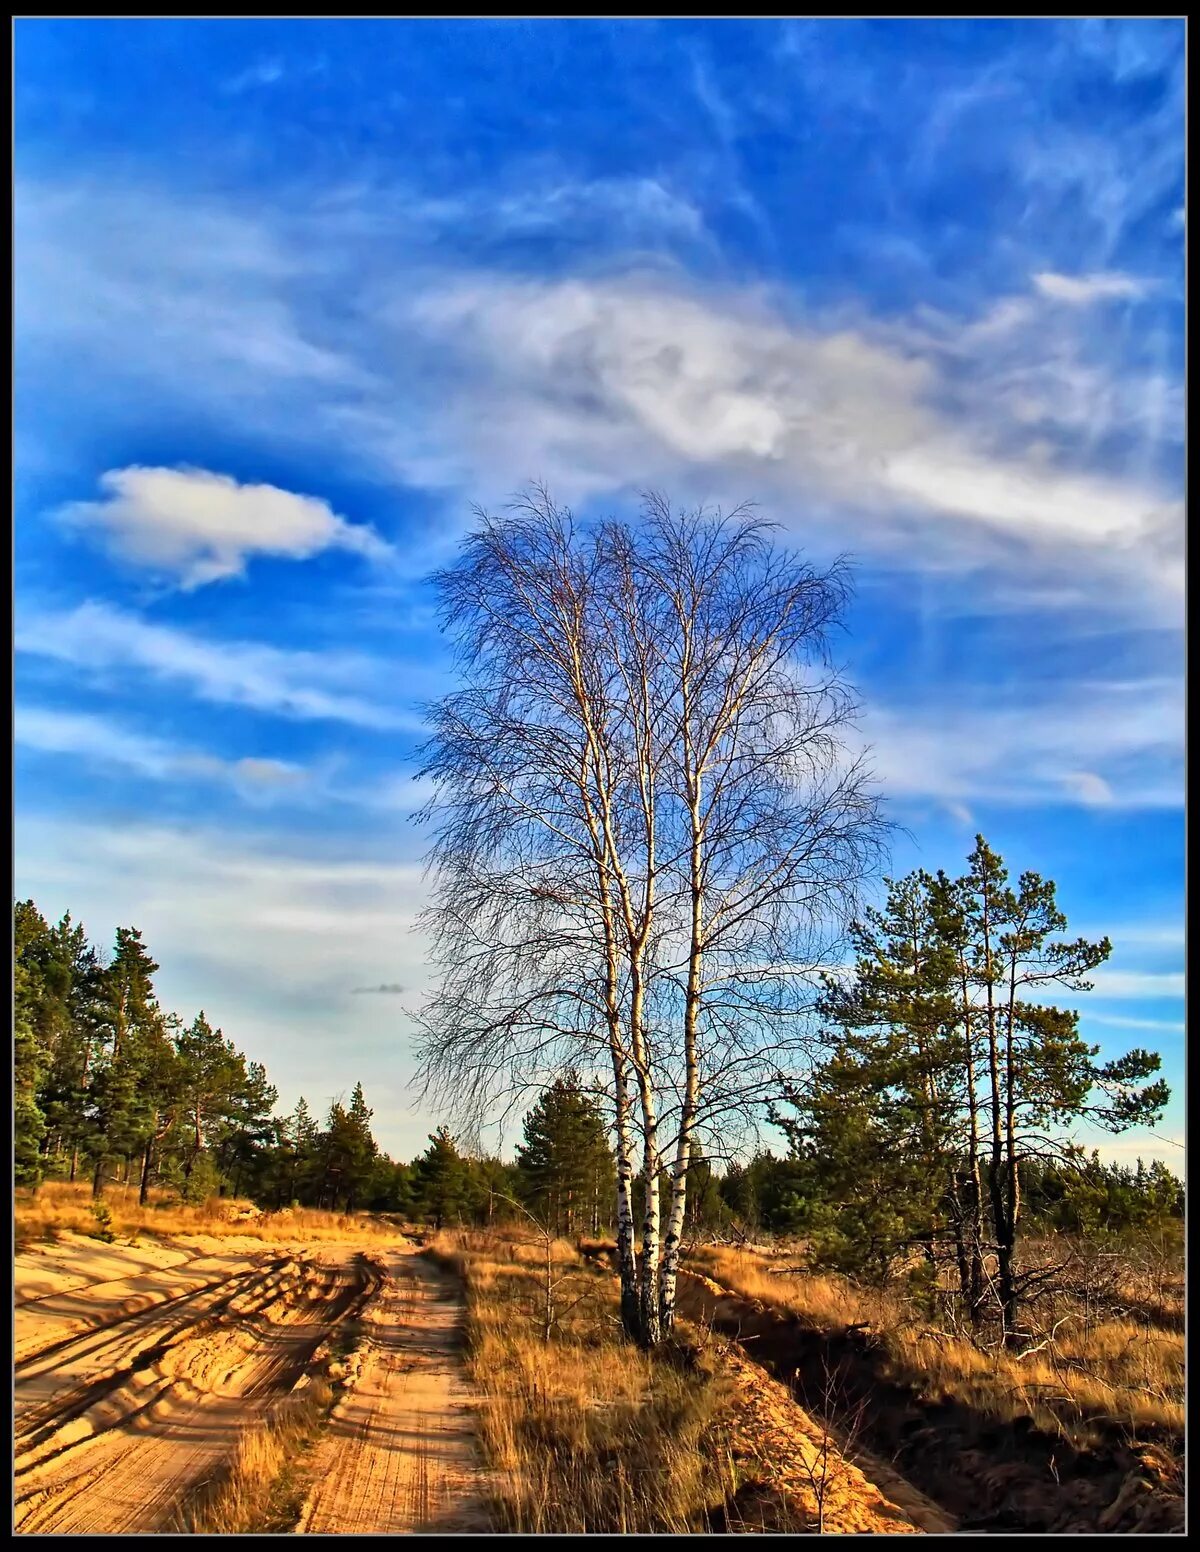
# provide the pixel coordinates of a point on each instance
(400, 1453)
(139, 1370)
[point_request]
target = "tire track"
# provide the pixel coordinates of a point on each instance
(77, 1287)
(122, 1452)
(400, 1454)
(68, 1323)
(102, 1360)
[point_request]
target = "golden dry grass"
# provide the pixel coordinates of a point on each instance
(62, 1206)
(261, 1492)
(583, 1433)
(1096, 1371)
(586, 1433)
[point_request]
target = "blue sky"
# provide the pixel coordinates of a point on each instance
(292, 295)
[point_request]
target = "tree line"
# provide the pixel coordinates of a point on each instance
(111, 1088)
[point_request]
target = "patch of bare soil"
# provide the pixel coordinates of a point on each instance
(987, 1475)
(775, 1442)
(400, 1454)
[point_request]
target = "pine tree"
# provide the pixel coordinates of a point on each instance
(49, 965)
(211, 1072)
(32, 1040)
(132, 1029)
(65, 1091)
(348, 1150)
(163, 1076)
(29, 1125)
(566, 1167)
(248, 1129)
(299, 1137)
(879, 1123)
(949, 1061)
(440, 1184)
(706, 1210)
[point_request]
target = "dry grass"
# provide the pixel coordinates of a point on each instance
(262, 1491)
(584, 1433)
(61, 1206)
(1094, 1372)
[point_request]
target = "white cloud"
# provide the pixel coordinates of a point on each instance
(639, 209)
(200, 527)
(1091, 790)
(95, 739)
(956, 443)
(267, 72)
(1079, 290)
(303, 685)
(1162, 1026)
(1151, 935)
(199, 299)
(1130, 734)
(1147, 1145)
(887, 438)
(76, 733)
(1138, 983)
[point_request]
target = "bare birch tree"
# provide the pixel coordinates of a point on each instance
(647, 830)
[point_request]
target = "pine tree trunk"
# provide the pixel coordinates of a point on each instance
(972, 1283)
(98, 1178)
(996, 1163)
(147, 1158)
(1009, 1297)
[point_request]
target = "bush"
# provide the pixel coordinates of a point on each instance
(104, 1223)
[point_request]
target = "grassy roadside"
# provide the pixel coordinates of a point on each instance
(1097, 1373)
(584, 1433)
(263, 1489)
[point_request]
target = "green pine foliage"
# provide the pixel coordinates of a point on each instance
(565, 1167)
(950, 1070)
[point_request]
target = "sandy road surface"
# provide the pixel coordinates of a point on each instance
(401, 1455)
(139, 1369)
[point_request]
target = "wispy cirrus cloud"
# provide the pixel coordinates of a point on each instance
(1138, 983)
(1158, 1026)
(1094, 744)
(947, 440)
(99, 639)
(264, 72)
(99, 740)
(604, 375)
(1080, 290)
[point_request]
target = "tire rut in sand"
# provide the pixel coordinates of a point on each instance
(400, 1453)
(122, 1451)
